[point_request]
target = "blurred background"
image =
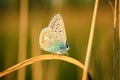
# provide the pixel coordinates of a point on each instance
(21, 22)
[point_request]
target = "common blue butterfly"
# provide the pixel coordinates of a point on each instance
(53, 37)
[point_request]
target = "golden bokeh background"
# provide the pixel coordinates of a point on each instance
(19, 35)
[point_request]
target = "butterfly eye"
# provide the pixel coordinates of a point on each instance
(67, 45)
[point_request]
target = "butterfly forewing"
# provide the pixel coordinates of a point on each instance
(58, 29)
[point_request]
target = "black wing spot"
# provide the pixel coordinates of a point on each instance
(58, 24)
(52, 27)
(60, 31)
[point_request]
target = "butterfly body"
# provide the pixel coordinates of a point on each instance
(53, 37)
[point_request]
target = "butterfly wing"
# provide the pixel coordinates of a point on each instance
(53, 37)
(57, 26)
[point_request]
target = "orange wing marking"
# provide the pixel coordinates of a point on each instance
(43, 37)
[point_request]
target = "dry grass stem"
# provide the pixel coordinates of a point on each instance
(88, 53)
(23, 36)
(115, 14)
(116, 45)
(40, 58)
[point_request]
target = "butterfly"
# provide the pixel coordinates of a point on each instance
(53, 37)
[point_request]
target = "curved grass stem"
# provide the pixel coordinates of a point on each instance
(41, 58)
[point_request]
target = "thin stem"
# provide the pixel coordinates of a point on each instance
(116, 46)
(22, 36)
(88, 53)
(115, 12)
